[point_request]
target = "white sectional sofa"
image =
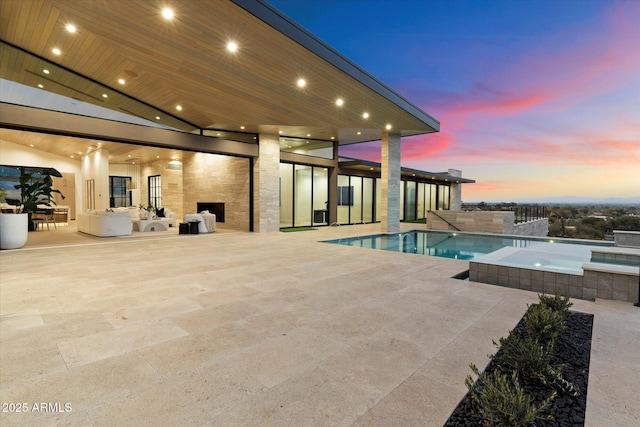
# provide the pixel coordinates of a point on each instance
(135, 213)
(105, 224)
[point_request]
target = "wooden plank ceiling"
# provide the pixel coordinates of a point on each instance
(184, 61)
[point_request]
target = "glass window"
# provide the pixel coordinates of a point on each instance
(444, 194)
(433, 194)
(378, 198)
(9, 178)
(307, 147)
(401, 200)
(356, 203)
(286, 195)
(249, 138)
(119, 193)
(367, 199)
(441, 196)
(155, 191)
(302, 195)
(410, 207)
(421, 200)
(320, 196)
(345, 197)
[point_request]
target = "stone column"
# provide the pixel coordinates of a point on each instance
(266, 180)
(390, 183)
(95, 167)
(456, 191)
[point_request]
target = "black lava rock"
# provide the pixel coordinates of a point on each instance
(572, 349)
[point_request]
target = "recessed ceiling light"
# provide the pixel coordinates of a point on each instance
(167, 13)
(308, 135)
(218, 134)
(333, 137)
(72, 156)
(129, 155)
(104, 95)
(359, 133)
(241, 127)
(388, 127)
(302, 82)
(30, 145)
(45, 71)
(55, 51)
(157, 117)
(280, 132)
(179, 107)
(339, 102)
(232, 46)
(71, 28)
(121, 81)
(365, 115)
(157, 157)
(40, 86)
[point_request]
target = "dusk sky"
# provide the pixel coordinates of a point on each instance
(535, 98)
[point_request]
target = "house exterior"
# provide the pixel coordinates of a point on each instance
(224, 105)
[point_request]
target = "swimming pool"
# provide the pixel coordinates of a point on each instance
(464, 246)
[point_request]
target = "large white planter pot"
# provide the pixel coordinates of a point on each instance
(13, 230)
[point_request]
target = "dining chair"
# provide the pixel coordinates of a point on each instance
(44, 216)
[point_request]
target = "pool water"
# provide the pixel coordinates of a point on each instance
(463, 246)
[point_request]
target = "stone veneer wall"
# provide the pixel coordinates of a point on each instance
(598, 280)
(480, 221)
(172, 195)
(217, 178)
(498, 222)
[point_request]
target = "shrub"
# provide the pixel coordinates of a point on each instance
(543, 323)
(532, 361)
(557, 302)
(524, 355)
(501, 401)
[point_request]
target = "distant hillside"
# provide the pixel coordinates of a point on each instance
(574, 200)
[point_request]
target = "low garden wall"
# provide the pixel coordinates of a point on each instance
(498, 222)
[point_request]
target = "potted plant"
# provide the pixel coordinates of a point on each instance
(149, 209)
(36, 188)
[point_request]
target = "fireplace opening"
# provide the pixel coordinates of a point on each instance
(216, 208)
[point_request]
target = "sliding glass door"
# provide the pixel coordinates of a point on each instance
(304, 195)
(357, 202)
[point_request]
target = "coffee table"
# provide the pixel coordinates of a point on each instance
(143, 225)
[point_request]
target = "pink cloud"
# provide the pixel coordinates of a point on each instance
(573, 104)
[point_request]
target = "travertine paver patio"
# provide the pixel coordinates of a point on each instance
(266, 330)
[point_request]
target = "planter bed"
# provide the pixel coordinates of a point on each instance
(573, 349)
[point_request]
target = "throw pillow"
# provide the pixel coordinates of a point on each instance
(160, 213)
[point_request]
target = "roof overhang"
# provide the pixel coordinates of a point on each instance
(184, 62)
(367, 166)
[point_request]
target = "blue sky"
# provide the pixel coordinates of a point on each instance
(536, 98)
